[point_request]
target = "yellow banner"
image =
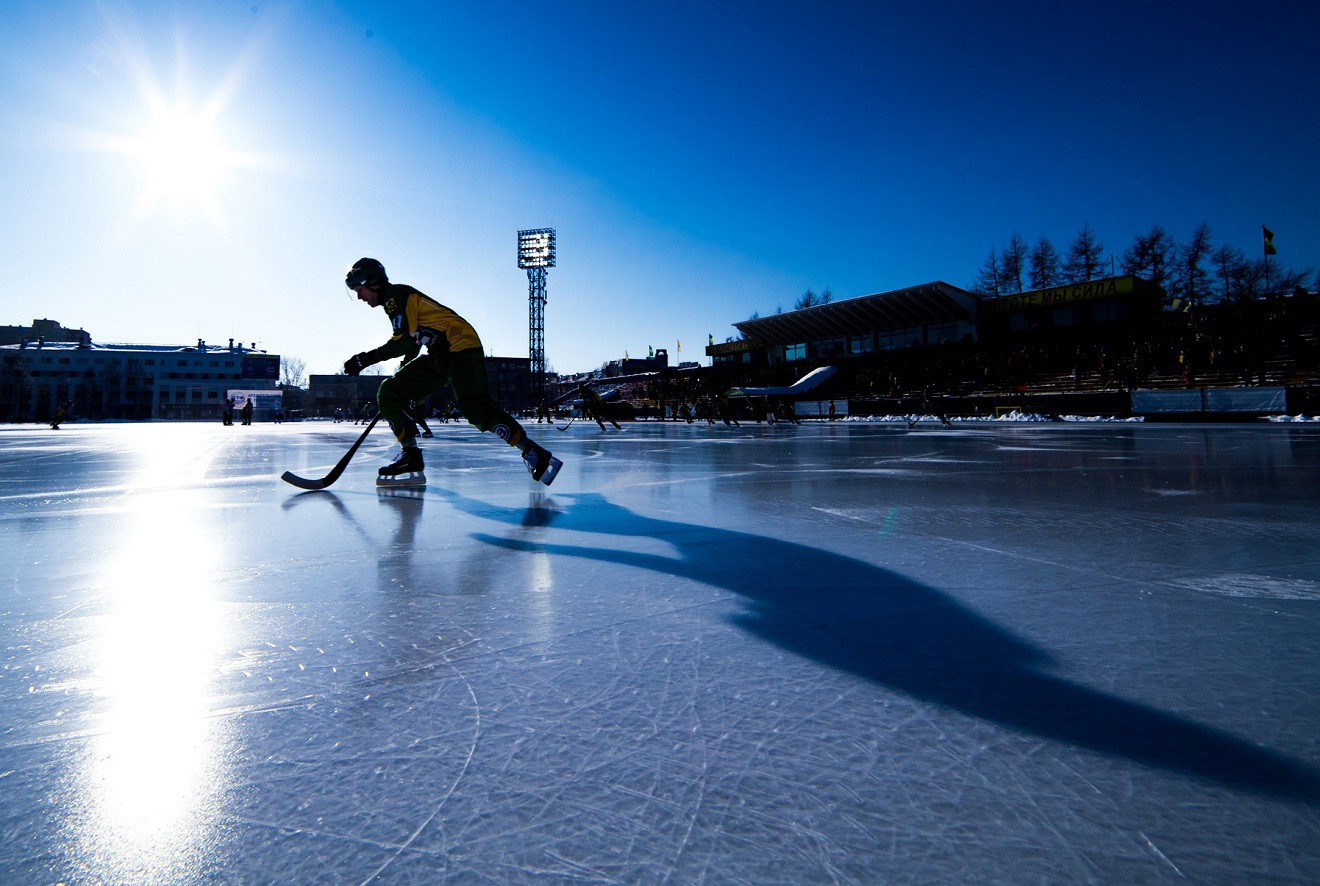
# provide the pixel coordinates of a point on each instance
(1060, 295)
(733, 347)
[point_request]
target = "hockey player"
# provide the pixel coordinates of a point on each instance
(61, 415)
(593, 407)
(418, 412)
(439, 347)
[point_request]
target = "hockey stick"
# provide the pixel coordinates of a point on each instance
(303, 483)
(567, 426)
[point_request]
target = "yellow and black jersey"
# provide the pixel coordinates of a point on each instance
(420, 321)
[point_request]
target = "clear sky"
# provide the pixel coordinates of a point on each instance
(204, 169)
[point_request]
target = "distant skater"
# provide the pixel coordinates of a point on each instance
(593, 407)
(61, 415)
(419, 416)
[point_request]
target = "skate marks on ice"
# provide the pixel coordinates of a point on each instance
(1252, 587)
(860, 618)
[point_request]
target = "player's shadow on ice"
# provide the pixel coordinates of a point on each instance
(857, 617)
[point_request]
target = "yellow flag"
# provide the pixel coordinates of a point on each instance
(1269, 241)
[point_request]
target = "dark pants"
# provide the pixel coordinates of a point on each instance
(465, 373)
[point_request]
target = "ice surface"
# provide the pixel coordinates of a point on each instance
(822, 653)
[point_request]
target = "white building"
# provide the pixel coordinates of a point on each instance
(128, 381)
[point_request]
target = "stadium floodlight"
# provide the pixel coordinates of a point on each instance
(536, 248)
(536, 255)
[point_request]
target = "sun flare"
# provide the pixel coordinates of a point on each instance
(182, 159)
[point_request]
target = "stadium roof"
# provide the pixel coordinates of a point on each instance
(936, 302)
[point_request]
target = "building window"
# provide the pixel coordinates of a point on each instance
(830, 347)
(861, 344)
(796, 352)
(938, 332)
(895, 339)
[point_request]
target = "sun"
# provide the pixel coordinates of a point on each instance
(183, 159)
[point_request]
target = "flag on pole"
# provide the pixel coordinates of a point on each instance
(680, 347)
(710, 339)
(1269, 241)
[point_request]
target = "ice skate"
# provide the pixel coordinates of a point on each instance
(540, 463)
(404, 471)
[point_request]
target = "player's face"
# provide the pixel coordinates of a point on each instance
(368, 295)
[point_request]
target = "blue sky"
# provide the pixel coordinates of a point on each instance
(209, 169)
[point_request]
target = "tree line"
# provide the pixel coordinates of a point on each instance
(1194, 273)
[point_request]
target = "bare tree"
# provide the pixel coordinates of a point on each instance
(1043, 265)
(1013, 263)
(1191, 279)
(986, 284)
(1084, 256)
(810, 299)
(1227, 260)
(1151, 256)
(293, 371)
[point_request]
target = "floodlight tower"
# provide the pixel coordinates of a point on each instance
(536, 255)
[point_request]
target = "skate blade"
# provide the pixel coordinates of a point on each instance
(549, 476)
(416, 478)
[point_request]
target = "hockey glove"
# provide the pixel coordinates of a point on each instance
(355, 364)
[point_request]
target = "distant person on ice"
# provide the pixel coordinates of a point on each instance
(439, 347)
(61, 415)
(419, 415)
(593, 407)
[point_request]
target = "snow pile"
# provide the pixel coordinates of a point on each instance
(1014, 416)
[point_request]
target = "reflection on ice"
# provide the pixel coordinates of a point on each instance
(148, 785)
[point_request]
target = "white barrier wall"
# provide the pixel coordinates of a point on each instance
(1260, 401)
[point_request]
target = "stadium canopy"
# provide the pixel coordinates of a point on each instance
(805, 385)
(929, 303)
